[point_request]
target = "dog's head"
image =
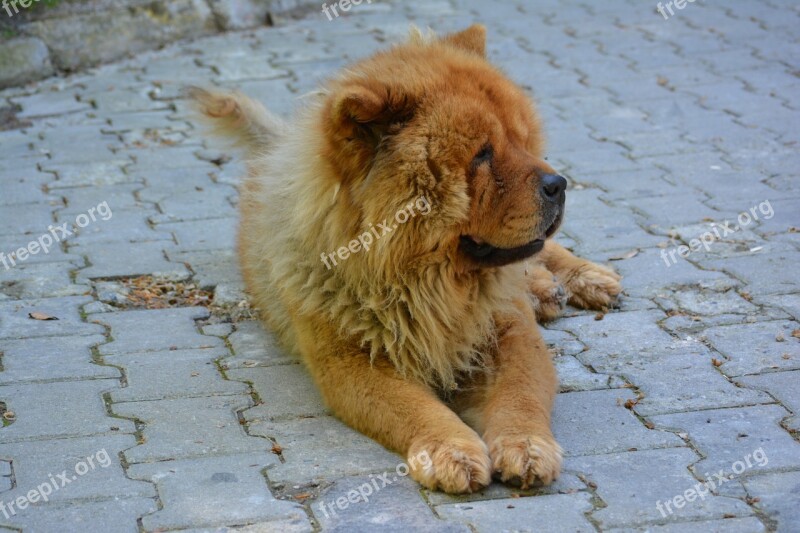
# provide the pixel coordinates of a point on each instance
(434, 119)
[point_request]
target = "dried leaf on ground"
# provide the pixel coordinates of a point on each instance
(36, 315)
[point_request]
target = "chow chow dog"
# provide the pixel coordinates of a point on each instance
(423, 335)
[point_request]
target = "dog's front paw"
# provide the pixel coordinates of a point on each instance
(456, 466)
(592, 286)
(549, 295)
(525, 460)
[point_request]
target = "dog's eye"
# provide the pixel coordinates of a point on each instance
(483, 156)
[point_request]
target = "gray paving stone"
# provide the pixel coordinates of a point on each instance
(25, 187)
(153, 375)
(210, 202)
(90, 174)
(322, 448)
(118, 197)
(755, 348)
(208, 234)
(784, 387)
(789, 303)
(778, 262)
(735, 525)
(632, 484)
(156, 330)
(27, 222)
(116, 516)
(215, 491)
(9, 243)
(218, 330)
(40, 280)
(561, 342)
(779, 497)
(286, 391)
(42, 413)
(49, 103)
(113, 260)
(666, 212)
(190, 427)
(700, 302)
(556, 512)
(60, 145)
(595, 422)
(574, 376)
(16, 324)
(395, 506)
(618, 332)
(287, 525)
(728, 436)
(52, 358)
(92, 466)
(252, 346)
(115, 226)
(608, 233)
(640, 280)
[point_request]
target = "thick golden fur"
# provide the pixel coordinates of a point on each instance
(414, 342)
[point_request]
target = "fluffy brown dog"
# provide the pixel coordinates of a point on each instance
(422, 336)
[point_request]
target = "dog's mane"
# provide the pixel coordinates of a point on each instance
(430, 321)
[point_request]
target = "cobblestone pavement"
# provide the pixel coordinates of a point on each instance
(173, 419)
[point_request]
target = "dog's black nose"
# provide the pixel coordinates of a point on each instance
(553, 186)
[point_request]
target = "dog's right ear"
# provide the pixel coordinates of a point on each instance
(473, 39)
(361, 110)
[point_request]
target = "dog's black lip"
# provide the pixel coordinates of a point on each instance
(489, 255)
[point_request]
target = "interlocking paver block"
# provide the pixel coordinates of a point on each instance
(154, 375)
(728, 436)
(42, 413)
(215, 491)
(756, 348)
(156, 330)
(322, 447)
(92, 466)
(15, 322)
(49, 358)
(286, 391)
(115, 516)
(395, 505)
(190, 427)
(588, 423)
(553, 513)
(632, 484)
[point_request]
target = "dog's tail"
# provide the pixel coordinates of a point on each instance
(237, 117)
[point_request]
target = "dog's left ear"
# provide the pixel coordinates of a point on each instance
(473, 39)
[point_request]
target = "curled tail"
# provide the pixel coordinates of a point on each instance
(237, 117)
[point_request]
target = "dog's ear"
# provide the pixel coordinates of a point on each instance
(473, 39)
(370, 110)
(360, 105)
